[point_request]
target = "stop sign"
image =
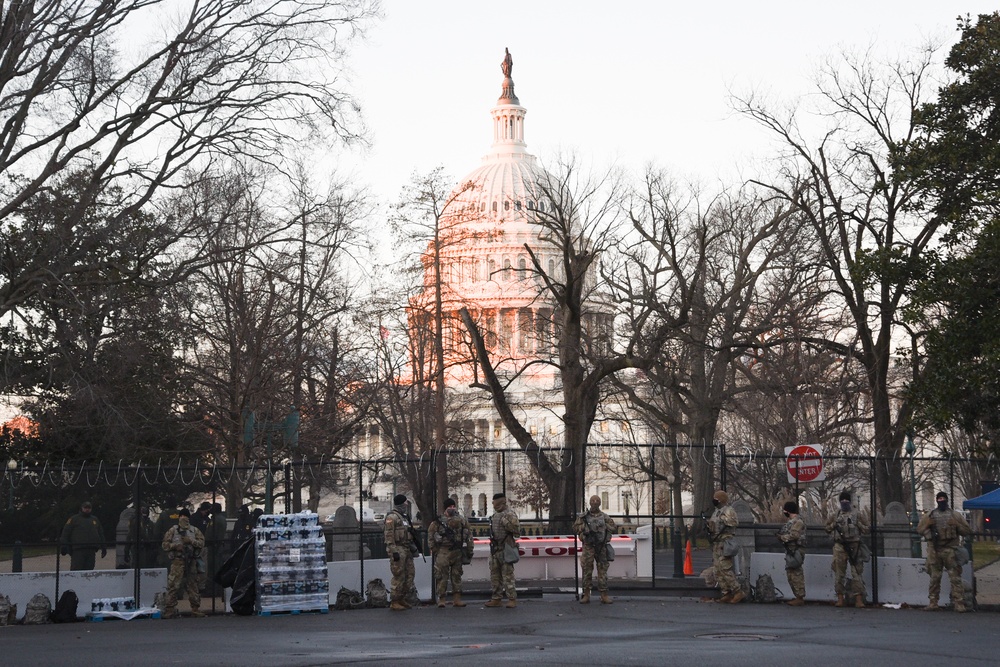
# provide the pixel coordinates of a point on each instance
(804, 464)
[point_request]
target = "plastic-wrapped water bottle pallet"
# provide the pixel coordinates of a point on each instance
(293, 612)
(99, 616)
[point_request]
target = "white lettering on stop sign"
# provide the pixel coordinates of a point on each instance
(804, 464)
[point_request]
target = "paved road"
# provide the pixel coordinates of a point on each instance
(552, 630)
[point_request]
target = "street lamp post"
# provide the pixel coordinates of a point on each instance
(911, 450)
(11, 470)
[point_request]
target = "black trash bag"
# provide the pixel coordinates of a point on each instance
(65, 609)
(225, 576)
(238, 573)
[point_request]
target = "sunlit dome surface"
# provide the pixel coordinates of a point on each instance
(506, 187)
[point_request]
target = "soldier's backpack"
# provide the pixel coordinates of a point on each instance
(348, 599)
(764, 590)
(65, 611)
(38, 609)
(376, 594)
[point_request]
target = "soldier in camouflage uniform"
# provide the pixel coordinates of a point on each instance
(400, 547)
(450, 539)
(504, 531)
(164, 522)
(944, 528)
(81, 537)
(183, 544)
(595, 529)
(721, 529)
(792, 535)
(847, 527)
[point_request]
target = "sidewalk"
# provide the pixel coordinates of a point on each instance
(988, 584)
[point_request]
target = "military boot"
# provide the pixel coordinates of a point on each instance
(932, 605)
(170, 612)
(728, 597)
(960, 607)
(840, 600)
(511, 604)
(457, 600)
(441, 603)
(494, 602)
(738, 597)
(859, 601)
(605, 599)
(585, 598)
(197, 613)
(396, 606)
(797, 602)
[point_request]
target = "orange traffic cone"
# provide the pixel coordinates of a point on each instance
(688, 565)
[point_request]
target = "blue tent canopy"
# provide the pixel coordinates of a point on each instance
(987, 501)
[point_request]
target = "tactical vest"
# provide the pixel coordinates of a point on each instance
(399, 534)
(598, 527)
(500, 524)
(945, 532)
(847, 527)
(181, 534)
(450, 531)
(717, 525)
(787, 529)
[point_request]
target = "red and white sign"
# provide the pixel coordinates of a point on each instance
(554, 545)
(804, 464)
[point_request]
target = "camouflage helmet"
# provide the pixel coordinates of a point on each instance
(721, 496)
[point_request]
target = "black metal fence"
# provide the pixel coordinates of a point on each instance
(640, 486)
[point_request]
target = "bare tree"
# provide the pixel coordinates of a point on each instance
(841, 182)
(403, 403)
(576, 222)
(267, 325)
(138, 94)
(706, 280)
(328, 354)
(526, 490)
(433, 214)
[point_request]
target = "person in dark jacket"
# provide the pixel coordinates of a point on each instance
(200, 518)
(243, 529)
(81, 537)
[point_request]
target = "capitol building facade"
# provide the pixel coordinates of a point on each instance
(492, 259)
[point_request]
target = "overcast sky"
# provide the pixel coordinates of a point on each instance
(645, 81)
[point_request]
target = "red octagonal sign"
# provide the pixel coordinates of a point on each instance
(804, 464)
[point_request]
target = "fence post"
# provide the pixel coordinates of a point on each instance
(16, 557)
(678, 556)
(873, 538)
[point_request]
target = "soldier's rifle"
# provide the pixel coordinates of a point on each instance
(415, 542)
(707, 526)
(852, 558)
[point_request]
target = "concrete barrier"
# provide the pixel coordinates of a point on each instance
(900, 580)
(22, 586)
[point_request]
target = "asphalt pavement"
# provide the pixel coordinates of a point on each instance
(550, 630)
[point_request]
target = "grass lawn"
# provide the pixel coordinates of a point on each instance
(6, 552)
(985, 552)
